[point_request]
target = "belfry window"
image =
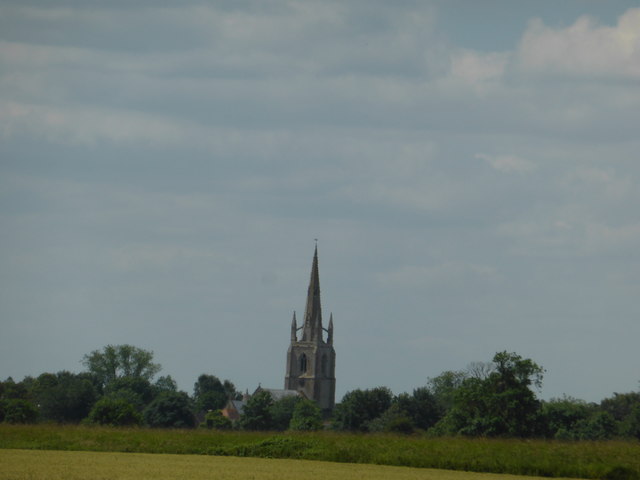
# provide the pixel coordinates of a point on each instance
(303, 363)
(323, 365)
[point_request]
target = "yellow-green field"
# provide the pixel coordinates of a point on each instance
(57, 465)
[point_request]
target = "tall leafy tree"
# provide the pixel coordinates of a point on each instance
(443, 388)
(115, 412)
(359, 407)
(170, 410)
(421, 407)
(502, 404)
(137, 391)
(625, 410)
(64, 396)
(17, 410)
(257, 412)
(562, 415)
(306, 416)
(282, 410)
(209, 393)
(165, 384)
(117, 361)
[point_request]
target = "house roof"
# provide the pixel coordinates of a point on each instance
(279, 393)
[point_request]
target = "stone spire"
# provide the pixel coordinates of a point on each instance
(312, 330)
(330, 330)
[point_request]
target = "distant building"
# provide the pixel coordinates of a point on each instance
(279, 394)
(233, 409)
(311, 360)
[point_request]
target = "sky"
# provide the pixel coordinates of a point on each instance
(470, 170)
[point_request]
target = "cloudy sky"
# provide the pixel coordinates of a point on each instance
(470, 169)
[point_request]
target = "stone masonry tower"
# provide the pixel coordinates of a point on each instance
(311, 360)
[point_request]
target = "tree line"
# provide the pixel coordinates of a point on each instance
(496, 398)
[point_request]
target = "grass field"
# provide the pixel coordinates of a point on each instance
(56, 465)
(614, 460)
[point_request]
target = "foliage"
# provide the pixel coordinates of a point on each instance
(281, 412)
(394, 420)
(257, 412)
(115, 412)
(215, 420)
(444, 387)
(165, 384)
(599, 426)
(359, 407)
(306, 416)
(421, 408)
(170, 410)
(625, 410)
(9, 390)
(501, 404)
(64, 396)
(116, 361)
(137, 391)
(210, 393)
(18, 410)
(562, 415)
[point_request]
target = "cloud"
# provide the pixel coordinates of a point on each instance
(477, 68)
(508, 163)
(584, 49)
(452, 273)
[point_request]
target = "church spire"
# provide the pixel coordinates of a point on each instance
(312, 330)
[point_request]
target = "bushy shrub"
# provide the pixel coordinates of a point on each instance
(115, 412)
(306, 416)
(215, 420)
(170, 410)
(20, 411)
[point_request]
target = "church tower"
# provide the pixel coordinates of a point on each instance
(311, 359)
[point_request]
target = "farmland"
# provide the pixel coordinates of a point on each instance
(57, 465)
(517, 457)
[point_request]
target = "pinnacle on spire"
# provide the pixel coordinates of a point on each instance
(313, 312)
(294, 327)
(330, 329)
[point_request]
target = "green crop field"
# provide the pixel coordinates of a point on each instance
(611, 460)
(57, 465)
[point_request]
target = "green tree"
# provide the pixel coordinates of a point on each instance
(599, 426)
(561, 415)
(256, 414)
(170, 410)
(281, 412)
(115, 412)
(625, 410)
(209, 393)
(359, 407)
(421, 408)
(117, 361)
(165, 384)
(215, 420)
(394, 420)
(64, 396)
(9, 390)
(502, 404)
(443, 388)
(306, 416)
(137, 391)
(17, 410)
(11, 411)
